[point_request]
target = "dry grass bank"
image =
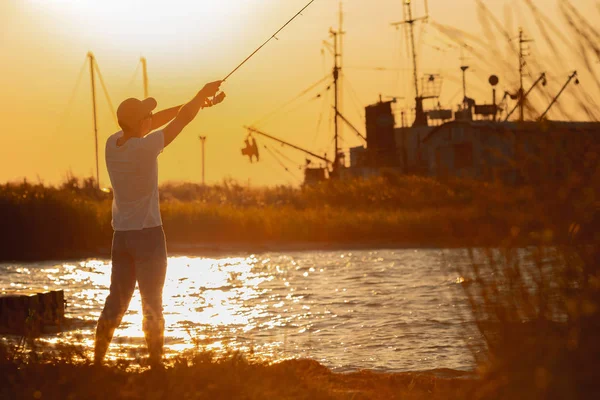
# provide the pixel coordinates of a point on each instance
(68, 375)
(73, 220)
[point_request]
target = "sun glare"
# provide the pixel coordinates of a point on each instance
(144, 24)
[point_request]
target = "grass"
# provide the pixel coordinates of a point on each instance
(73, 220)
(66, 373)
(537, 309)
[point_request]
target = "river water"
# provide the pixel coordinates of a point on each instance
(386, 310)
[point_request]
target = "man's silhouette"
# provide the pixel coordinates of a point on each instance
(139, 252)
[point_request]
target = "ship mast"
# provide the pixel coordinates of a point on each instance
(522, 64)
(420, 117)
(336, 35)
(93, 82)
(341, 63)
(145, 75)
(336, 76)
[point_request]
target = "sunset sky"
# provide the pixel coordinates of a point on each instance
(47, 120)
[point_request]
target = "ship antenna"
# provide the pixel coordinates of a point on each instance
(421, 117)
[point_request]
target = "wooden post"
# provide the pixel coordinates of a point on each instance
(27, 314)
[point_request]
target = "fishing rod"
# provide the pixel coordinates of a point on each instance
(274, 36)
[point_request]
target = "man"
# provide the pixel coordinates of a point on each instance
(139, 251)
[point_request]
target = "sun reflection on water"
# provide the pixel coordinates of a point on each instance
(205, 302)
(341, 309)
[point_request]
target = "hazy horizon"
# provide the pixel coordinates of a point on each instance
(187, 44)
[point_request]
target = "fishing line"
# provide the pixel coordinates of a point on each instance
(274, 36)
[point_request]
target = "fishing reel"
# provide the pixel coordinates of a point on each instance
(218, 98)
(251, 149)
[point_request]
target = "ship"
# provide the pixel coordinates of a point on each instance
(477, 140)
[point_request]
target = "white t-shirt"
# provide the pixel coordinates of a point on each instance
(133, 171)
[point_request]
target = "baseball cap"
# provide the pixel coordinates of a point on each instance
(132, 111)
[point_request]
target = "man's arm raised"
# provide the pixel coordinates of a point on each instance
(163, 117)
(188, 112)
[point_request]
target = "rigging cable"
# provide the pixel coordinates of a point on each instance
(69, 106)
(281, 163)
(287, 103)
(356, 101)
(132, 80)
(281, 174)
(286, 157)
(110, 105)
(326, 99)
(459, 37)
(307, 102)
(420, 41)
(397, 57)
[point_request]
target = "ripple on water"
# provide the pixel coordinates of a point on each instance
(389, 310)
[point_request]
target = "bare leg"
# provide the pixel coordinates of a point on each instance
(122, 285)
(151, 271)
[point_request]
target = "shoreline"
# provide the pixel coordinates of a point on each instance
(211, 249)
(222, 248)
(203, 376)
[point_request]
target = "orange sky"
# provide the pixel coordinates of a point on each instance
(189, 42)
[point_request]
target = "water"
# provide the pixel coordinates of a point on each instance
(387, 310)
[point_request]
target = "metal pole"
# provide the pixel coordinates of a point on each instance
(555, 99)
(521, 90)
(542, 78)
(414, 49)
(145, 76)
(350, 125)
(203, 140)
(341, 63)
(254, 130)
(420, 116)
(522, 64)
(336, 74)
(495, 104)
(92, 61)
(464, 69)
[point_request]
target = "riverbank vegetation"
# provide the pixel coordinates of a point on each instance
(67, 374)
(73, 219)
(537, 309)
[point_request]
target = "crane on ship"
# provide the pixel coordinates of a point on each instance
(332, 167)
(555, 99)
